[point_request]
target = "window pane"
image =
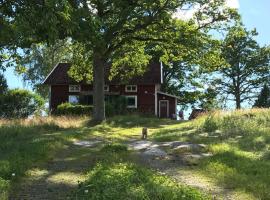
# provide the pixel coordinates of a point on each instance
(73, 99)
(131, 101)
(74, 88)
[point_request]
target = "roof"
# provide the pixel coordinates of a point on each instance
(169, 95)
(59, 76)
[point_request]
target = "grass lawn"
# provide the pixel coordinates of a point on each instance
(239, 142)
(27, 146)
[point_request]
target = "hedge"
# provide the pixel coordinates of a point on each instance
(72, 109)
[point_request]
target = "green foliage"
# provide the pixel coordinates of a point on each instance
(116, 106)
(263, 100)
(71, 109)
(37, 61)
(3, 84)
(210, 124)
(19, 103)
(129, 181)
(247, 66)
(117, 32)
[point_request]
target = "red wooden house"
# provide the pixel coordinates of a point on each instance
(142, 92)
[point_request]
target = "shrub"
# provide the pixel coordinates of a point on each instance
(19, 103)
(71, 109)
(116, 106)
(210, 124)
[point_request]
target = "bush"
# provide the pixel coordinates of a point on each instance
(210, 124)
(71, 109)
(19, 103)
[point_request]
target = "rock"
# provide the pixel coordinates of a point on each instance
(177, 144)
(140, 145)
(87, 143)
(156, 152)
(185, 148)
(194, 159)
(182, 148)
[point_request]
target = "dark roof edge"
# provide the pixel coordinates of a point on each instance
(169, 95)
(44, 82)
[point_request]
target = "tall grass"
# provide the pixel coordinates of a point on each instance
(26, 142)
(241, 151)
(240, 144)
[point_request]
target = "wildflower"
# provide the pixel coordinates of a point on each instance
(86, 191)
(13, 174)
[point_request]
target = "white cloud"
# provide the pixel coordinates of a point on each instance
(233, 3)
(187, 14)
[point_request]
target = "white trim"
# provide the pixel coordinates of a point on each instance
(156, 109)
(50, 98)
(169, 95)
(126, 90)
(136, 101)
(161, 72)
(167, 101)
(74, 90)
(51, 73)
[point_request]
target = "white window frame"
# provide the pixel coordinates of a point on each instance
(136, 101)
(106, 88)
(70, 96)
(127, 90)
(71, 88)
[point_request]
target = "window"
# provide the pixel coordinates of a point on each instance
(106, 88)
(74, 88)
(86, 100)
(131, 88)
(131, 101)
(74, 99)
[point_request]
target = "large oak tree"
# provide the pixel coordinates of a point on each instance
(115, 31)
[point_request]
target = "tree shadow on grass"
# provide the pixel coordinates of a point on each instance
(238, 171)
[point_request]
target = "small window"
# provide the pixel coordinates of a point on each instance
(106, 88)
(131, 101)
(73, 99)
(131, 88)
(74, 88)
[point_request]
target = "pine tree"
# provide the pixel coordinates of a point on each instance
(263, 100)
(3, 84)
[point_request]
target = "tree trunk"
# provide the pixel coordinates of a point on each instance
(238, 101)
(98, 88)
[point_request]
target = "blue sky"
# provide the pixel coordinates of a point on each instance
(255, 14)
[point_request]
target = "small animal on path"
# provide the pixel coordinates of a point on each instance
(144, 133)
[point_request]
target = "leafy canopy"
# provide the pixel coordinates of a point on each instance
(247, 66)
